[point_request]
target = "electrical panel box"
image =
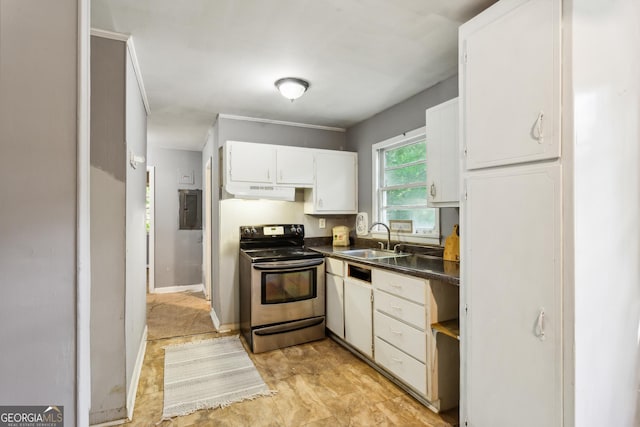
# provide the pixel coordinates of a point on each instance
(190, 209)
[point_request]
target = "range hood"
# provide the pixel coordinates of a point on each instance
(261, 191)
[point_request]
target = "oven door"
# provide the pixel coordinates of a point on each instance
(282, 291)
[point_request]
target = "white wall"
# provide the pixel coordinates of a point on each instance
(38, 171)
(136, 235)
(605, 61)
(178, 253)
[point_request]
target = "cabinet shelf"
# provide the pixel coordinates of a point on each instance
(450, 328)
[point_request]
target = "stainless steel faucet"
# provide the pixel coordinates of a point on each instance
(388, 232)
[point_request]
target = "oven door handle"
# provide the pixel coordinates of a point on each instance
(281, 329)
(287, 265)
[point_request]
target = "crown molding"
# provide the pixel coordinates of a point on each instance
(280, 122)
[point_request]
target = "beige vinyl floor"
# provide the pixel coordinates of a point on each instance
(318, 383)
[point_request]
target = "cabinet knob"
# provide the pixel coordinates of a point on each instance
(432, 190)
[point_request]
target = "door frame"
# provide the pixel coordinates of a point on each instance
(151, 170)
(206, 265)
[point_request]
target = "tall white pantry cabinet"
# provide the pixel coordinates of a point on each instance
(511, 216)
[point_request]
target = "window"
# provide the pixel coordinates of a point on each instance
(400, 185)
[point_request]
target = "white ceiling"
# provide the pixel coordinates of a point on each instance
(203, 57)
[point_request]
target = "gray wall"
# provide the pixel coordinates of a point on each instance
(267, 133)
(402, 117)
(108, 245)
(38, 171)
(118, 236)
(178, 253)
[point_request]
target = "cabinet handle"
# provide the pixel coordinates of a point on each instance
(432, 190)
(268, 175)
(395, 307)
(396, 286)
(396, 360)
(540, 325)
(539, 128)
(396, 332)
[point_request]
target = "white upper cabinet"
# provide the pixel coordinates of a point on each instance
(443, 161)
(253, 170)
(294, 166)
(336, 186)
(510, 75)
(250, 162)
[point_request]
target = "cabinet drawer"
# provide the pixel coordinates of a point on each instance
(334, 266)
(407, 311)
(402, 366)
(403, 286)
(405, 337)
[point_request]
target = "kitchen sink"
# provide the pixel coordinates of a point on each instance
(371, 253)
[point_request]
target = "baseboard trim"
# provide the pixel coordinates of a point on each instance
(111, 423)
(135, 378)
(184, 288)
(214, 319)
(228, 327)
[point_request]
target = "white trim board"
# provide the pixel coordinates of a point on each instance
(83, 218)
(280, 122)
(184, 288)
(214, 319)
(137, 370)
(128, 38)
(151, 170)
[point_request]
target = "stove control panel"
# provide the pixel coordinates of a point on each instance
(271, 231)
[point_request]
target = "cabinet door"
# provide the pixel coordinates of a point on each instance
(358, 316)
(335, 304)
(295, 166)
(251, 162)
(336, 182)
(443, 148)
(510, 83)
(511, 282)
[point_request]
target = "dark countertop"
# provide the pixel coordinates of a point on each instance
(425, 266)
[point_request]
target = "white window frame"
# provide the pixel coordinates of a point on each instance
(406, 138)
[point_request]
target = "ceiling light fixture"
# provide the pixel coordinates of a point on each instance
(291, 87)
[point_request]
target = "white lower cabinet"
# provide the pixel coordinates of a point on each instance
(405, 367)
(406, 325)
(408, 312)
(335, 296)
(358, 322)
(407, 338)
(401, 327)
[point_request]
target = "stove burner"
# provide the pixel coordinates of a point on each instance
(274, 242)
